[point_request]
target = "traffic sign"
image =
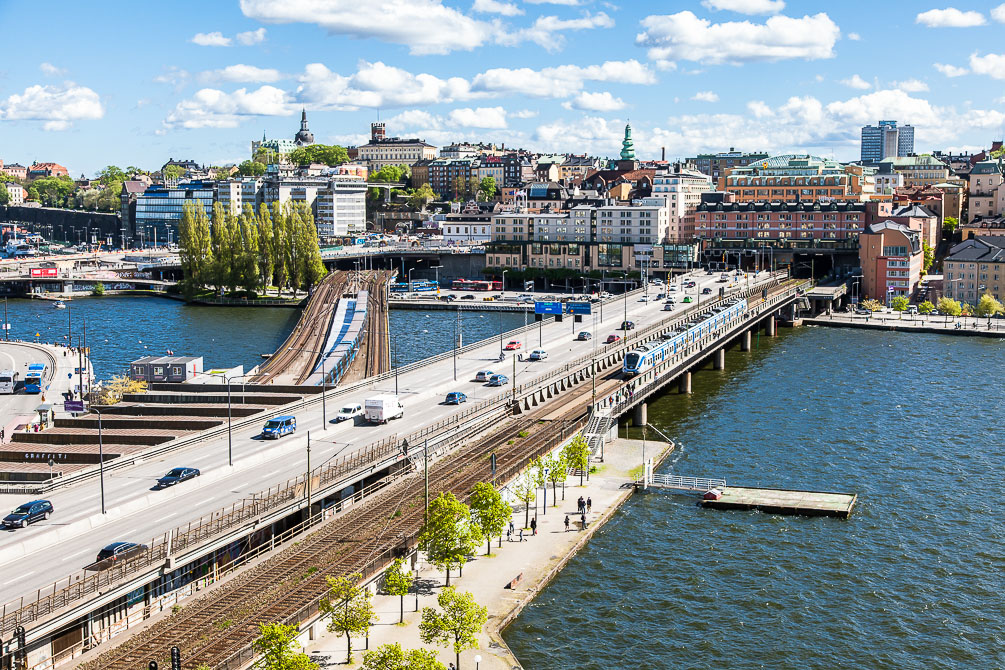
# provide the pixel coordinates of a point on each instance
(578, 308)
(73, 405)
(547, 308)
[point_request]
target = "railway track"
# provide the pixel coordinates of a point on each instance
(377, 351)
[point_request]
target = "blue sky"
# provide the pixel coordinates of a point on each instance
(135, 83)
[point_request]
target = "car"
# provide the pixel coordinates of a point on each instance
(644, 298)
(279, 426)
(687, 298)
(484, 375)
(449, 298)
(912, 309)
(120, 551)
(455, 398)
(28, 513)
(176, 476)
(668, 307)
(467, 297)
(525, 297)
(538, 355)
(584, 336)
(661, 296)
(657, 282)
(627, 325)
(348, 412)
(706, 291)
(612, 339)
(498, 380)
(488, 298)
(595, 300)
(672, 289)
(512, 345)
(690, 284)
(722, 280)
(605, 295)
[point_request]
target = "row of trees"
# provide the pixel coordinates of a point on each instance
(255, 250)
(987, 306)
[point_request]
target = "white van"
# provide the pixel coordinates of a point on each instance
(348, 412)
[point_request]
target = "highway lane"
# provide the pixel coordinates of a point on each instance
(17, 356)
(260, 464)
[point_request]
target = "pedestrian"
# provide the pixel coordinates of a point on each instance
(589, 505)
(511, 528)
(580, 505)
(533, 526)
(509, 533)
(584, 521)
(566, 523)
(521, 534)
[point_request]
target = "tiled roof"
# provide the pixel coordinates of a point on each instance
(979, 249)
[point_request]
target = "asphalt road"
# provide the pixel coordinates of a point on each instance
(16, 356)
(136, 512)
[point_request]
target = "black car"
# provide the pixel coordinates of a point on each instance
(627, 325)
(467, 297)
(27, 513)
(120, 551)
(177, 475)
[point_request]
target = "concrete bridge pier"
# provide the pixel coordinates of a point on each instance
(770, 326)
(684, 383)
(745, 342)
(719, 362)
(640, 415)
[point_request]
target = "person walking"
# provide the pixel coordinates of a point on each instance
(580, 505)
(584, 520)
(509, 533)
(533, 526)
(521, 534)
(512, 529)
(566, 523)
(589, 505)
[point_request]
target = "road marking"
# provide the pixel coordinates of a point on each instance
(169, 515)
(240, 486)
(73, 555)
(20, 577)
(202, 502)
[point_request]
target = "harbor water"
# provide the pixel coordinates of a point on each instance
(912, 423)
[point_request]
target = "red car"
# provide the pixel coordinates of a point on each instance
(613, 338)
(512, 345)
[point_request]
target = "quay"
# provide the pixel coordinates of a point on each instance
(935, 324)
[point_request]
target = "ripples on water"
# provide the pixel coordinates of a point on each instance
(912, 423)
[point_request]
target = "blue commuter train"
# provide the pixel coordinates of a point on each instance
(645, 356)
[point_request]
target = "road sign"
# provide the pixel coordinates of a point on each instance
(547, 308)
(73, 406)
(578, 308)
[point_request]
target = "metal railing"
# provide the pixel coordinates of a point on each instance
(686, 483)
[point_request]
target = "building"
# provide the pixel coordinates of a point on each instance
(282, 146)
(166, 368)
(340, 210)
(17, 193)
(681, 187)
(186, 165)
(918, 171)
(983, 227)
(800, 178)
(382, 150)
(886, 140)
(920, 219)
(15, 170)
(468, 225)
(986, 190)
(304, 136)
(891, 259)
(159, 209)
(772, 222)
(518, 168)
(38, 170)
(234, 194)
(716, 165)
(975, 267)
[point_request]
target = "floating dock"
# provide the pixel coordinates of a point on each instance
(782, 501)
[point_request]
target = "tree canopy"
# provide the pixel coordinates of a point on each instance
(349, 607)
(251, 169)
(278, 649)
(173, 172)
(457, 625)
(319, 153)
(450, 535)
(490, 512)
(988, 305)
(487, 188)
(929, 257)
(421, 197)
(4, 194)
(391, 173)
(871, 305)
(393, 657)
(926, 307)
(398, 582)
(577, 455)
(950, 224)
(949, 307)
(899, 303)
(53, 191)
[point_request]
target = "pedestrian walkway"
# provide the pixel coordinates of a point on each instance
(527, 565)
(958, 325)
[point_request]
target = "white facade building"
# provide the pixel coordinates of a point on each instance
(681, 188)
(642, 222)
(340, 209)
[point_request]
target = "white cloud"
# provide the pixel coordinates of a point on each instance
(496, 7)
(951, 70)
(595, 102)
(242, 73)
(524, 114)
(746, 6)
(568, 3)
(559, 81)
(546, 30)
(593, 134)
(998, 13)
(415, 118)
(214, 39)
(173, 75)
(759, 109)
(424, 26)
(57, 106)
(51, 70)
(683, 36)
(251, 37)
(213, 108)
(949, 18)
(992, 65)
(378, 85)
(854, 37)
(911, 85)
(482, 117)
(706, 96)
(856, 81)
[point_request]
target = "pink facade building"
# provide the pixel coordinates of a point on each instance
(781, 221)
(891, 258)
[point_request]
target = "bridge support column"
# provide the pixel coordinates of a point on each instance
(745, 342)
(719, 362)
(770, 326)
(640, 415)
(684, 383)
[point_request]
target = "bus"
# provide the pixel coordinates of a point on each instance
(476, 285)
(418, 285)
(34, 379)
(8, 380)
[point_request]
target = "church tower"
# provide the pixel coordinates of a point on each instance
(304, 136)
(627, 145)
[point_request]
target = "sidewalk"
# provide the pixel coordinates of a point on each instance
(536, 561)
(959, 325)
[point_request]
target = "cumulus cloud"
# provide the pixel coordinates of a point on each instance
(547, 31)
(854, 37)
(378, 85)
(559, 81)
(524, 114)
(213, 108)
(951, 70)
(242, 73)
(481, 117)
(251, 37)
(706, 96)
(992, 65)
(911, 85)
(856, 81)
(595, 102)
(57, 106)
(949, 18)
(746, 6)
(590, 133)
(998, 13)
(51, 70)
(214, 39)
(496, 7)
(684, 36)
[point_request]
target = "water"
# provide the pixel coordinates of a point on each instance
(913, 579)
(121, 329)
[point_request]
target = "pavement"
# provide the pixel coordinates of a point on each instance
(18, 410)
(932, 323)
(135, 512)
(536, 561)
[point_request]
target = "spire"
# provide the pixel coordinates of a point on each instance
(303, 118)
(627, 145)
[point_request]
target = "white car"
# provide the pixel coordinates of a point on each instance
(538, 355)
(348, 412)
(672, 289)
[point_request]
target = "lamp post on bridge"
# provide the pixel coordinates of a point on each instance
(230, 439)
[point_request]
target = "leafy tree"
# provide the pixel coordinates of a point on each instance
(950, 224)
(577, 455)
(525, 491)
(113, 389)
(9, 178)
(202, 250)
(308, 250)
(52, 191)
(490, 512)
(112, 175)
(133, 171)
(349, 607)
(926, 307)
(449, 536)
(4, 194)
(988, 306)
(221, 246)
(540, 478)
(251, 168)
(558, 471)
(457, 625)
(319, 153)
(278, 649)
(265, 156)
(249, 250)
(266, 246)
(487, 188)
(98, 290)
(279, 245)
(929, 257)
(949, 307)
(899, 303)
(391, 174)
(421, 197)
(393, 657)
(398, 582)
(872, 305)
(173, 172)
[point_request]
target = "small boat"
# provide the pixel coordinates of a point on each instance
(59, 304)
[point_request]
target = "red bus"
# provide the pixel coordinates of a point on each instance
(476, 285)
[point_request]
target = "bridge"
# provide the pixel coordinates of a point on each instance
(260, 506)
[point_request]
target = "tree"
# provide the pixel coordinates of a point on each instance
(926, 307)
(251, 168)
(319, 153)
(266, 244)
(312, 268)
(113, 389)
(872, 305)
(487, 188)
(988, 306)
(398, 582)
(4, 194)
(173, 172)
(421, 197)
(449, 536)
(98, 290)
(540, 478)
(221, 246)
(390, 174)
(393, 657)
(490, 512)
(249, 250)
(278, 649)
(899, 303)
(929, 257)
(950, 224)
(279, 244)
(558, 471)
(349, 607)
(458, 624)
(525, 491)
(577, 455)
(52, 191)
(202, 248)
(266, 156)
(949, 307)
(112, 175)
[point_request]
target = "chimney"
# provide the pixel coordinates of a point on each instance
(663, 155)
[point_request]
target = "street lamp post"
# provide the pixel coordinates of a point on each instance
(230, 439)
(101, 459)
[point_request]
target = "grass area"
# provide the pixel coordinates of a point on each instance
(636, 472)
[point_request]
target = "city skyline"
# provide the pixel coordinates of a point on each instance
(202, 81)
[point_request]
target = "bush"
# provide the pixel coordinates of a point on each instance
(98, 290)
(113, 390)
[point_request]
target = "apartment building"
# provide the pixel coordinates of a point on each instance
(681, 188)
(975, 267)
(917, 171)
(382, 150)
(716, 165)
(986, 189)
(800, 178)
(891, 258)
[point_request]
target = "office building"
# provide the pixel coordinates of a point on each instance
(159, 209)
(886, 140)
(801, 178)
(716, 165)
(681, 187)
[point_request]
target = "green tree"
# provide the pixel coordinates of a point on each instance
(173, 172)
(9, 178)
(558, 471)
(319, 153)
(279, 246)
(525, 491)
(950, 224)
(4, 194)
(249, 250)
(251, 168)
(187, 248)
(308, 250)
(872, 305)
(391, 174)
(202, 249)
(393, 657)
(222, 248)
(457, 625)
(112, 174)
(487, 188)
(540, 477)
(929, 257)
(266, 156)
(398, 582)
(577, 455)
(266, 242)
(988, 306)
(277, 649)
(966, 309)
(449, 536)
(899, 303)
(53, 191)
(490, 512)
(949, 307)
(421, 197)
(926, 307)
(349, 607)
(98, 290)
(295, 267)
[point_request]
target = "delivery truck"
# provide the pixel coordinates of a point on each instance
(383, 408)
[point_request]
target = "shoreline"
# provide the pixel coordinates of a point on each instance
(908, 326)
